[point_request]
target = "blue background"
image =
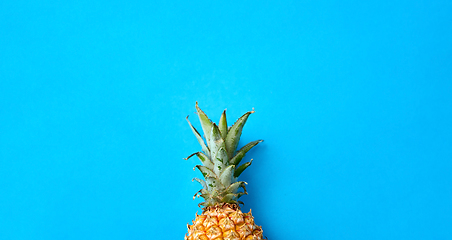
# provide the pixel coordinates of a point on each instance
(352, 98)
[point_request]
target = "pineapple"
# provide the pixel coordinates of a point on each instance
(221, 218)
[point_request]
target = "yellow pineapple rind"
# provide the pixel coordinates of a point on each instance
(224, 221)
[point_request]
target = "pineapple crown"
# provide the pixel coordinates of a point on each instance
(220, 160)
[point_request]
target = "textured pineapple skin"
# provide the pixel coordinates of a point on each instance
(224, 222)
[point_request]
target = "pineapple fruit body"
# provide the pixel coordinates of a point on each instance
(224, 222)
(222, 218)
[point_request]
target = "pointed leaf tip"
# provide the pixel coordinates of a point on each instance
(191, 155)
(206, 172)
(206, 124)
(241, 168)
(203, 158)
(234, 133)
(241, 153)
(202, 182)
(223, 125)
(201, 142)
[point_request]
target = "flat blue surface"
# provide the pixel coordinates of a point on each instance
(352, 98)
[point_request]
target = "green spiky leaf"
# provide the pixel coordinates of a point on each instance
(204, 159)
(229, 197)
(226, 175)
(234, 133)
(220, 160)
(241, 168)
(199, 138)
(213, 182)
(232, 196)
(241, 153)
(235, 186)
(223, 125)
(206, 124)
(206, 172)
(216, 142)
(202, 182)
